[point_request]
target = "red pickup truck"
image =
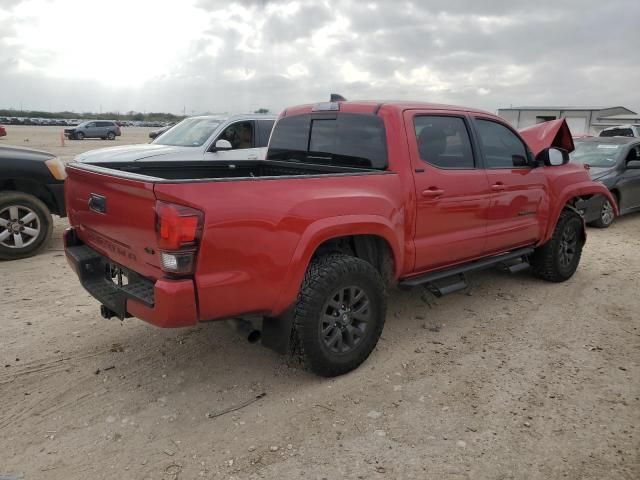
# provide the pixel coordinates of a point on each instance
(352, 197)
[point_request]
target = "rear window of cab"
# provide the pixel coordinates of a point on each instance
(343, 139)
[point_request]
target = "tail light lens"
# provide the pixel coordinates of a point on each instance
(179, 230)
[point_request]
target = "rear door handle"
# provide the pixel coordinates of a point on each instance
(498, 187)
(432, 192)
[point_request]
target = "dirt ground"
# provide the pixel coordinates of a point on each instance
(514, 378)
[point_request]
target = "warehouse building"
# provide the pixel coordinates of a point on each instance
(581, 120)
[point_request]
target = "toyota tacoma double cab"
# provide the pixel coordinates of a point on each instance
(352, 197)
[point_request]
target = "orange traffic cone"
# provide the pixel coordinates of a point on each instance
(62, 139)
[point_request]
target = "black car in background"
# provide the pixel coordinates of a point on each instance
(156, 133)
(614, 161)
(31, 189)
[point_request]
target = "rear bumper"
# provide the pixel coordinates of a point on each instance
(164, 303)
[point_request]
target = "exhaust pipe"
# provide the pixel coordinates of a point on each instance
(245, 328)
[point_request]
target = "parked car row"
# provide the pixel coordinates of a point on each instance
(73, 122)
(38, 121)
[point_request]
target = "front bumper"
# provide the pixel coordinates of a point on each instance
(591, 209)
(57, 192)
(164, 302)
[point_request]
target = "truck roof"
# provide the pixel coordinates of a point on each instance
(372, 106)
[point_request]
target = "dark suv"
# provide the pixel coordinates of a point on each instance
(104, 129)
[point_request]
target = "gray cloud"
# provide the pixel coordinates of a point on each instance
(267, 54)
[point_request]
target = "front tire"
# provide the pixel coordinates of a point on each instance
(79, 136)
(25, 225)
(558, 259)
(339, 314)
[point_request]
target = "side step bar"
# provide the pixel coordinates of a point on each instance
(505, 259)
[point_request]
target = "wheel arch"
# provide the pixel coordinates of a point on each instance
(30, 187)
(569, 198)
(371, 238)
(615, 191)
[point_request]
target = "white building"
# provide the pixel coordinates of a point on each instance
(581, 120)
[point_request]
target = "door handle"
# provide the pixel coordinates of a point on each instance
(498, 187)
(432, 192)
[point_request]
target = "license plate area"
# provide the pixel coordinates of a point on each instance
(117, 275)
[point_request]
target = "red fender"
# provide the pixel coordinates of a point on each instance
(326, 229)
(571, 191)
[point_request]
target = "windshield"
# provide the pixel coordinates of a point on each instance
(191, 132)
(601, 155)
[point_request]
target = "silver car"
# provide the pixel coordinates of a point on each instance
(207, 137)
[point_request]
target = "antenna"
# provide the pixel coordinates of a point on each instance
(336, 97)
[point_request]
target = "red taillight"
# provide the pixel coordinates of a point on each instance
(179, 229)
(177, 226)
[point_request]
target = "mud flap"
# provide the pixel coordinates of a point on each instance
(276, 332)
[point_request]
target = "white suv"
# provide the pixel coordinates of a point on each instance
(208, 137)
(621, 131)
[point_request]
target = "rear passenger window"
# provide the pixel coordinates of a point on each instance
(501, 147)
(444, 141)
(346, 139)
(349, 140)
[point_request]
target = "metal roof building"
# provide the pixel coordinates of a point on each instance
(581, 120)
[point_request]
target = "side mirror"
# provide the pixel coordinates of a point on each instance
(553, 157)
(633, 165)
(222, 145)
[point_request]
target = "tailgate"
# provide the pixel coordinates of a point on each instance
(115, 216)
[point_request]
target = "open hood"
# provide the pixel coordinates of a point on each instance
(555, 133)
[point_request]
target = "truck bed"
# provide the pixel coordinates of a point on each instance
(190, 171)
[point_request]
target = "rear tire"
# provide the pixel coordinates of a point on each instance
(111, 136)
(607, 216)
(339, 314)
(24, 220)
(558, 259)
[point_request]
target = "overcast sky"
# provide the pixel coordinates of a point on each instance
(212, 55)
